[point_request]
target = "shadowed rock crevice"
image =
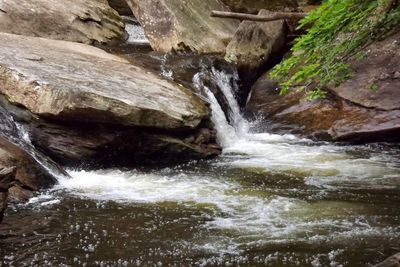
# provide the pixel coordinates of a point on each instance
(103, 146)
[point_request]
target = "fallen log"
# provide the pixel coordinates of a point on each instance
(244, 16)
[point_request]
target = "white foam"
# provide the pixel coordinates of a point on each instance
(149, 188)
(135, 32)
(251, 217)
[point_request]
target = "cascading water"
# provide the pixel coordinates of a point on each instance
(16, 133)
(228, 133)
(135, 32)
(268, 200)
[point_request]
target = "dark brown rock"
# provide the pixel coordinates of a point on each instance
(393, 261)
(30, 175)
(332, 118)
(121, 7)
(355, 111)
(85, 21)
(373, 82)
(7, 176)
(292, 112)
(94, 145)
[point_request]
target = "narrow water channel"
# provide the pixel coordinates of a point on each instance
(269, 200)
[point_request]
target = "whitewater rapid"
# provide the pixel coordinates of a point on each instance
(256, 215)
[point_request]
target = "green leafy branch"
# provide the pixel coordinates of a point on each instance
(340, 29)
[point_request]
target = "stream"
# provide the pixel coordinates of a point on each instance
(268, 200)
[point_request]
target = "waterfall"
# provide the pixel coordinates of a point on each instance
(237, 128)
(226, 82)
(24, 141)
(17, 134)
(135, 32)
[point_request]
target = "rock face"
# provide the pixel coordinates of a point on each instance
(91, 85)
(255, 44)
(184, 26)
(32, 170)
(7, 176)
(254, 6)
(97, 145)
(375, 80)
(331, 119)
(85, 21)
(363, 109)
(89, 106)
(30, 176)
(393, 261)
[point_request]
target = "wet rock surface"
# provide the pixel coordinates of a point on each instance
(171, 25)
(30, 176)
(352, 112)
(33, 170)
(99, 146)
(7, 176)
(76, 20)
(329, 119)
(90, 105)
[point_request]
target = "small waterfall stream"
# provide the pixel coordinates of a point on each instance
(16, 133)
(238, 129)
(269, 200)
(135, 32)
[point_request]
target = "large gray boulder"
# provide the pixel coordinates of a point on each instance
(175, 25)
(74, 82)
(85, 21)
(89, 106)
(255, 44)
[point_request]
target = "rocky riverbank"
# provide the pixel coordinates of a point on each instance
(365, 108)
(84, 107)
(67, 103)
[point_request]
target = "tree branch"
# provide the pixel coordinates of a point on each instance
(243, 16)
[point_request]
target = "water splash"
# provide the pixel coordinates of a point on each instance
(136, 34)
(228, 86)
(17, 134)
